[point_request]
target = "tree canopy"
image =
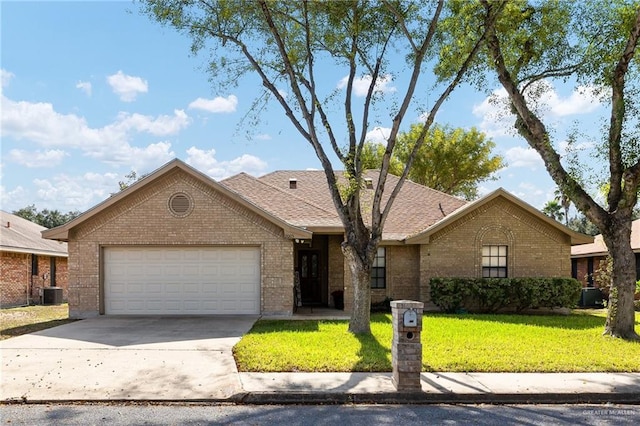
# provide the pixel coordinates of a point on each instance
(450, 160)
(47, 218)
(553, 209)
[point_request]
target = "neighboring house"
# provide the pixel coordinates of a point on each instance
(585, 259)
(28, 262)
(178, 242)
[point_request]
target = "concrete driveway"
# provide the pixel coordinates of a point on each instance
(125, 358)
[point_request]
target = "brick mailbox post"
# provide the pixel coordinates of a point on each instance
(406, 348)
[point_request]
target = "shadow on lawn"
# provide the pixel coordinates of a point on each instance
(265, 326)
(373, 357)
(32, 328)
(572, 321)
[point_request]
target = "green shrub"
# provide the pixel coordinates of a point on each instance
(383, 306)
(494, 294)
(448, 293)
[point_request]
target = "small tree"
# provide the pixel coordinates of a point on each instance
(450, 160)
(554, 210)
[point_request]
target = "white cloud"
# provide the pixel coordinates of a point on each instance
(139, 158)
(543, 98)
(40, 123)
(14, 199)
(378, 135)
(215, 105)
(496, 119)
(529, 192)
(566, 148)
(62, 192)
(263, 137)
(50, 158)
(75, 192)
(523, 157)
(5, 77)
(160, 126)
(581, 101)
(361, 84)
(127, 87)
(208, 164)
(85, 86)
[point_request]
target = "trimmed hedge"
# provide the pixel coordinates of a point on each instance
(494, 294)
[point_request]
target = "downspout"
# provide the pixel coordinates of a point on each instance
(29, 278)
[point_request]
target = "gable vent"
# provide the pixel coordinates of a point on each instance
(180, 204)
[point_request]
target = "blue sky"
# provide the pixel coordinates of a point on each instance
(94, 90)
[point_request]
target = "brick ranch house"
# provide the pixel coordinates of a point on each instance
(585, 259)
(178, 242)
(28, 263)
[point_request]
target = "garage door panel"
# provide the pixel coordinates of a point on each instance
(175, 280)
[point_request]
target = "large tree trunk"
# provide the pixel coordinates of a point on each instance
(360, 270)
(621, 312)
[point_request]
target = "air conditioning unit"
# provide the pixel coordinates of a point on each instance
(52, 296)
(591, 297)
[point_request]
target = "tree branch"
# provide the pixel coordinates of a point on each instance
(616, 166)
(535, 133)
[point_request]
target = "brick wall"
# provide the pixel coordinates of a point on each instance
(15, 270)
(18, 280)
(143, 218)
(402, 274)
(535, 249)
(582, 269)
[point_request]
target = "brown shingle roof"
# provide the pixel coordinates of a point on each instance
(19, 235)
(599, 248)
(415, 208)
(287, 206)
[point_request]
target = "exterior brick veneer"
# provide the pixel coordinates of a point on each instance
(144, 219)
(535, 249)
(21, 287)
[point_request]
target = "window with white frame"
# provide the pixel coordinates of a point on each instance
(494, 261)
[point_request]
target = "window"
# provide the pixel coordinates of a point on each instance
(494, 261)
(34, 264)
(53, 271)
(378, 271)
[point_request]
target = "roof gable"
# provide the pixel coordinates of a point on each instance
(19, 235)
(62, 232)
(423, 236)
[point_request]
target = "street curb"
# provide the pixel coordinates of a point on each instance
(382, 398)
(418, 398)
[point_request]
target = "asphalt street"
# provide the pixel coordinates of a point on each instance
(291, 415)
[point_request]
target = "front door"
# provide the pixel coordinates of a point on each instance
(310, 279)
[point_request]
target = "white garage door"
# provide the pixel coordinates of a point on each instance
(181, 281)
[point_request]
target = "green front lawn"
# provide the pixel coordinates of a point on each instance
(487, 343)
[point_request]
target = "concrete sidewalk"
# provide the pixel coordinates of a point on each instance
(548, 388)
